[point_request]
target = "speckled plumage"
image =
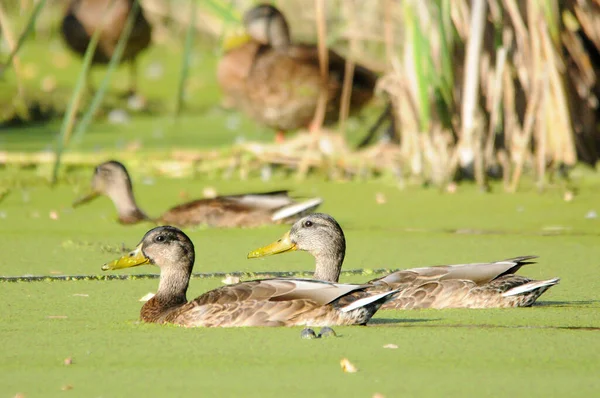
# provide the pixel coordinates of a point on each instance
(266, 302)
(246, 210)
(478, 285)
(278, 83)
(83, 17)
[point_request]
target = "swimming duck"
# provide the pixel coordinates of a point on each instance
(278, 83)
(263, 302)
(479, 285)
(246, 210)
(83, 17)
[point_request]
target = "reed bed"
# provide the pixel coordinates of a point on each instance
(477, 88)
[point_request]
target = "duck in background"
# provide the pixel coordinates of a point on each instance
(478, 285)
(83, 17)
(246, 210)
(278, 82)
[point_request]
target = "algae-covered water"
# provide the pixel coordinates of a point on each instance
(548, 350)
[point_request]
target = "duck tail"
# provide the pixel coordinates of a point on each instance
(518, 263)
(372, 302)
(296, 210)
(536, 288)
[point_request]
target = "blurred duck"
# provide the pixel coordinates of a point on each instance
(278, 82)
(246, 210)
(480, 285)
(266, 302)
(83, 17)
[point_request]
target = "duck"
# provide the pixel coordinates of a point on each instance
(83, 17)
(261, 302)
(477, 285)
(244, 210)
(278, 82)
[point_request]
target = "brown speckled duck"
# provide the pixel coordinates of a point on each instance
(246, 210)
(265, 302)
(83, 17)
(480, 285)
(278, 82)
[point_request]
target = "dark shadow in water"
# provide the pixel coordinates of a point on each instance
(395, 321)
(485, 326)
(574, 303)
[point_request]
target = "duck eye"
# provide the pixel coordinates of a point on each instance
(308, 223)
(160, 238)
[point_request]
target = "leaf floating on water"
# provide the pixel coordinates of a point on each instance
(392, 346)
(568, 196)
(231, 280)
(81, 295)
(347, 366)
(118, 116)
(68, 361)
(146, 297)
(57, 317)
(209, 192)
(134, 145)
(48, 84)
(29, 71)
(136, 102)
(66, 387)
(380, 198)
(183, 194)
(452, 187)
(155, 71)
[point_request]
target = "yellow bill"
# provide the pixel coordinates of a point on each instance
(133, 259)
(235, 40)
(283, 245)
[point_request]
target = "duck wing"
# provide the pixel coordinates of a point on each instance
(477, 285)
(281, 302)
(478, 273)
(243, 210)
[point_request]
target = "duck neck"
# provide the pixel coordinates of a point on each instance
(127, 208)
(329, 266)
(172, 287)
(171, 295)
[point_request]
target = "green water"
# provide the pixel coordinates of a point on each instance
(548, 349)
